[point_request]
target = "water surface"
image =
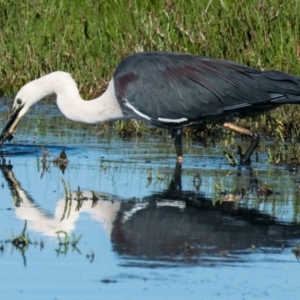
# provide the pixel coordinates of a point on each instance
(142, 227)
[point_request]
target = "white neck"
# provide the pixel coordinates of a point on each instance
(104, 108)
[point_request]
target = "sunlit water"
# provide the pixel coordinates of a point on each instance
(130, 227)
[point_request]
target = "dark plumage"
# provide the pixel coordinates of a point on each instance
(175, 86)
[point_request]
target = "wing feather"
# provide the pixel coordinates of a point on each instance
(176, 86)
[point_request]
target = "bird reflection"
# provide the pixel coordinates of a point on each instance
(40, 221)
(169, 226)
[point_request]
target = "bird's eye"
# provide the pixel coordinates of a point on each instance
(19, 101)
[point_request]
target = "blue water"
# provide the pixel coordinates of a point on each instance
(220, 236)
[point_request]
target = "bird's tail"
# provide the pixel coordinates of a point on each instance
(285, 99)
(283, 88)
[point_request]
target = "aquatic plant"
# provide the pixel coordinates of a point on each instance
(23, 241)
(65, 242)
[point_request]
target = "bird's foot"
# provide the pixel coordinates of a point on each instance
(245, 158)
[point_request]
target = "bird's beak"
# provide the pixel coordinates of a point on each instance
(13, 120)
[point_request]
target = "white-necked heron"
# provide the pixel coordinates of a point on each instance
(168, 90)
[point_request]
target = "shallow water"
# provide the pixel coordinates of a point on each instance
(147, 228)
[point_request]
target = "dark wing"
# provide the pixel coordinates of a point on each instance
(180, 86)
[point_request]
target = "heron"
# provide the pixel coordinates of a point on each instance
(170, 91)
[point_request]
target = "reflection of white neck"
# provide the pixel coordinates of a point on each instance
(104, 212)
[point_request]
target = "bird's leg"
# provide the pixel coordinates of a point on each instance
(238, 129)
(177, 137)
(245, 158)
(175, 184)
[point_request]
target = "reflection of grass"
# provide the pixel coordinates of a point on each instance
(79, 198)
(61, 161)
(221, 194)
(296, 251)
(23, 241)
(20, 243)
(273, 192)
(65, 242)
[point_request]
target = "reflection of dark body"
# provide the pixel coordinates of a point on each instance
(171, 233)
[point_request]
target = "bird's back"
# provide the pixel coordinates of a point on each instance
(172, 88)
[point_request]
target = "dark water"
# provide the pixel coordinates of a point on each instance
(146, 227)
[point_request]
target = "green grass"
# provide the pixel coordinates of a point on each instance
(88, 38)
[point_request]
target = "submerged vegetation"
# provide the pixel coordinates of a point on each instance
(89, 39)
(23, 241)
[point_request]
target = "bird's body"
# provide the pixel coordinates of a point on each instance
(168, 90)
(172, 90)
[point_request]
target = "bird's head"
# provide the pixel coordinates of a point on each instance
(58, 82)
(26, 97)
